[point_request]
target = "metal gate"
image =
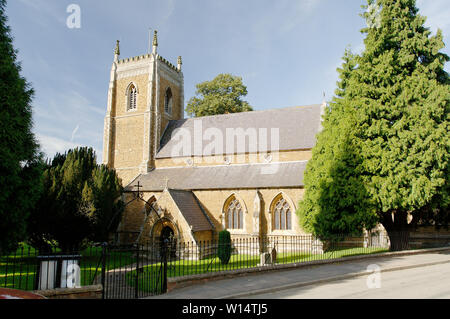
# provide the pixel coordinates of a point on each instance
(135, 271)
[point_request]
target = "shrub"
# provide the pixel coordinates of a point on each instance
(224, 246)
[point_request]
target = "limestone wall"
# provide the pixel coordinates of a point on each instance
(129, 128)
(130, 135)
(283, 156)
(177, 109)
(213, 202)
(120, 105)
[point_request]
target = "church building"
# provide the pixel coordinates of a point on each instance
(242, 172)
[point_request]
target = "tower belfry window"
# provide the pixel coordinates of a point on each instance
(132, 97)
(168, 101)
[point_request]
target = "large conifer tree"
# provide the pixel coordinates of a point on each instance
(336, 201)
(80, 203)
(19, 154)
(396, 96)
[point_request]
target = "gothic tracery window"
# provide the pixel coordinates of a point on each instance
(132, 97)
(282, 215)
(234, 215)
(168, 101)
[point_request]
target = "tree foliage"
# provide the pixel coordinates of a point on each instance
(225, 247)
(336, 201)
(395, 95)
(81, 201)
(222, 95)
(20, 160)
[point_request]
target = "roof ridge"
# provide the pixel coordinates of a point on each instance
(191, 180)
(248, 112)
(294, 127)
(225, 165)
(179, 190)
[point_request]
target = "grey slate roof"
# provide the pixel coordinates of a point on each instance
(191, 209)
(285, 174)
(297, 126)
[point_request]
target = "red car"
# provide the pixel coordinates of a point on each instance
(6, 293)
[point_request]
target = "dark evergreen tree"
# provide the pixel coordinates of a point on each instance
(20, 160)
(81, 202)
(396, 96)
(336, 202)
(401, 97)
(105, 210)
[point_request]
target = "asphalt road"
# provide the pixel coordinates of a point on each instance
(430, 282)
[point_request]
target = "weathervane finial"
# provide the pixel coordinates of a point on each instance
(155, 42)
(179, 63)
(117, 50)
(155, 38)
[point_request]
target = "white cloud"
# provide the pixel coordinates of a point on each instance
(63, 108)
(437, 13)
(46, 8)
(74, 132)
(67, 119)
(170, 10)
(283, 16)
(296, 12)
(51, 145)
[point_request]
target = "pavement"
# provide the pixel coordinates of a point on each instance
(279, 280)
(427, 282)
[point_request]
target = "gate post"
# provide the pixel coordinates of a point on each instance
(164, 256)
(104, 251)
(136, 288)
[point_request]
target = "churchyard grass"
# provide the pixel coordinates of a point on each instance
(18, 270)
(186, 267)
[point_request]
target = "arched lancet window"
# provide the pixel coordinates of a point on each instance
(168, 101)
(282, 215)
(132, 97)
(234, 215)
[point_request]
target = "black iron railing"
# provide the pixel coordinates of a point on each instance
(140, 270)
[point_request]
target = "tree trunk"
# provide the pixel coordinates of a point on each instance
(397, 227)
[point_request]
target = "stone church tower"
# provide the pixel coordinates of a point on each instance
(190, 196)
(145, 93)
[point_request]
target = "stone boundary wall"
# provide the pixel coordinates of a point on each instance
(174, 283)
(87, 292)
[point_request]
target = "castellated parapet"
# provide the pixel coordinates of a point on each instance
(146, 57)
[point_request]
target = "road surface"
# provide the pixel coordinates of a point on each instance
(431, 282)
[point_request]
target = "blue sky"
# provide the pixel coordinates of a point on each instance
(286, 51)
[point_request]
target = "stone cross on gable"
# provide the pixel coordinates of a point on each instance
(139, 186)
